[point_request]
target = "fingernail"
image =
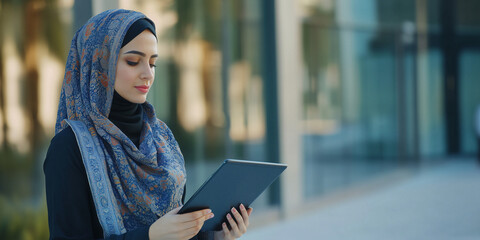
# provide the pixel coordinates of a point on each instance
(234, 210)
(228, 216)
(209, 211)
(211, 216)
(224, 225)
(242, 207)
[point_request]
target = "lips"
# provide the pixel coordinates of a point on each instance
(143, 88)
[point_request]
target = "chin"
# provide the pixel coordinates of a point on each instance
(138, 100)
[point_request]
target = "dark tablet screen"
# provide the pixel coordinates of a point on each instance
(234, 182)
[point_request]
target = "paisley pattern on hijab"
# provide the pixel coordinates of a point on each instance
(147, 181)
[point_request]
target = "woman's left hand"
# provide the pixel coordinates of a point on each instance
(238, 222)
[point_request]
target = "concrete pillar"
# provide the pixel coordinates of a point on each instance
(289, 103)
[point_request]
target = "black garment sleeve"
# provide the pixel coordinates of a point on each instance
(139, 233)
(71, 210)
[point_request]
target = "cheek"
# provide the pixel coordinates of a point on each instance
(124, 76)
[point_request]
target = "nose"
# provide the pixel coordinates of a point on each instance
(148, 72)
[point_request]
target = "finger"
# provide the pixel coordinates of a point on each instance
(249, 210)
(190, 232)
(226, 232)
(240, 222)
(198, 221)
(245, 215)
(193, 227)
(187, 217)
(233, 225)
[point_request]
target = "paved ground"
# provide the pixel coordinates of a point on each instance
(438, 202)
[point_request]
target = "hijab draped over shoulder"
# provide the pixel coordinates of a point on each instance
(147, 181)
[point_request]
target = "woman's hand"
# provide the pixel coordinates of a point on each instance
(238, 224)
(173, 226)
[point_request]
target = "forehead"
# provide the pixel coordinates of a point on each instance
(145, 41)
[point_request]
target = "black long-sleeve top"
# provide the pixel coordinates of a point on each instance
(71, 210)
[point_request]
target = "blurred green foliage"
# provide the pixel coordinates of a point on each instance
(15, 173)
(54, 29)
(21, 221)
(23, 215)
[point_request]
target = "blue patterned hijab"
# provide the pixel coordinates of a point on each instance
(147, 181)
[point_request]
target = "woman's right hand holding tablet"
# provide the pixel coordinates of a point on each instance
(173, 226)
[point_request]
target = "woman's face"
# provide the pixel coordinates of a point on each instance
(135, 67)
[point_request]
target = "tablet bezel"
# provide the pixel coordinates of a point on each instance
(187, 207)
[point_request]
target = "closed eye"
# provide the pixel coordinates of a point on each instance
(132, 63)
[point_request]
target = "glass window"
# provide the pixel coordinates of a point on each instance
(210, 88)
(467, 17)
(469, 98)
(361, 93)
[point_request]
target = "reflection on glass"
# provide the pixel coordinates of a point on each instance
(191, 104)
(467, 17)
(365, 110)
(469, 98)
(212, 116)
(246, 104)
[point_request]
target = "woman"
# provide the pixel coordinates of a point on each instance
(113, 170)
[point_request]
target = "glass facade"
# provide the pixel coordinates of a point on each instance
(210, 88)
(373, 85)
(467, 28)
(374, 95)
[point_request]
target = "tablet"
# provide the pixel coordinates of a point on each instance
(234, 182)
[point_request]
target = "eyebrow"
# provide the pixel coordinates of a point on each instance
(141, 53)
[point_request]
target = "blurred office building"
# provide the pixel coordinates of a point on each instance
(343, 91)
